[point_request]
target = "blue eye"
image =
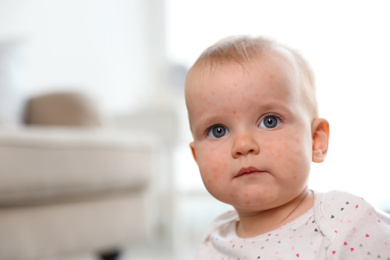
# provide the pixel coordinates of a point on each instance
(269, 122)
(217, 131)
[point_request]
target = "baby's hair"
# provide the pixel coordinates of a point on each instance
(239, 49)
(242, 49)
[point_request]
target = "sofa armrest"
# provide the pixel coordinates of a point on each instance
(56, 164)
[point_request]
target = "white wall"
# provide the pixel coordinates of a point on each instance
(113, 49)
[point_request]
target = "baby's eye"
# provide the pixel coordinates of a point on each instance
(269, 122)
(217, 131)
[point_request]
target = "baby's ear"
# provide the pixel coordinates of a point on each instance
(193, 150)
(320, 137)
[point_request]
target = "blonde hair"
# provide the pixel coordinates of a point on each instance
(241, 49)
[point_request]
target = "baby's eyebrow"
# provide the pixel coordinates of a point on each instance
(208, 121)
(273, 104)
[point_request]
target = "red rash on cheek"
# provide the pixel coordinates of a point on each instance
(247, 202)
(212, 171)
(215, 174)
(286, 153)
(276, 153)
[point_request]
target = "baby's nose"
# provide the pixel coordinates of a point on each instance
(245, 144)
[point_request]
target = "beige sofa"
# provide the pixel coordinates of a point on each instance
(69, 186)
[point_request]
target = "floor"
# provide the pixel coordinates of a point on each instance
(140, 254)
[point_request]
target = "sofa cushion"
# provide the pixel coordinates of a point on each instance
(43, 164)
(63, 109)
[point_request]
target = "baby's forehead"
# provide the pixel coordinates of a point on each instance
(262, 75)
(271, 62)
(278, 61)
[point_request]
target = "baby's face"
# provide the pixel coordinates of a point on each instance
(252, 135)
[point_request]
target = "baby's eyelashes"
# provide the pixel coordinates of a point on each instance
(217, 131)
(270, 121)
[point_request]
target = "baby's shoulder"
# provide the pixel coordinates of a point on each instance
(337, 203)
(338, 211)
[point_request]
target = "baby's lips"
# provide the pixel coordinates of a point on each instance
(247, 170)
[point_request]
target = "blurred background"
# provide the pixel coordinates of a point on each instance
(131, 58)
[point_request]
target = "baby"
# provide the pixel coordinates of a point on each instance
(254, 118)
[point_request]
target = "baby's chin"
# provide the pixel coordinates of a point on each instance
(268, 202)
(253, 205)
(255, 208)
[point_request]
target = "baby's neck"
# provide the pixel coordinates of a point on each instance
(257, 223)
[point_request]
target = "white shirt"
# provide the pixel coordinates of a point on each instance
(339, 226)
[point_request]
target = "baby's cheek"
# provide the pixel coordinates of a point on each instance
(286, 153)
(272, 148)
(277, 149)
(212, 170)
(296, 161)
